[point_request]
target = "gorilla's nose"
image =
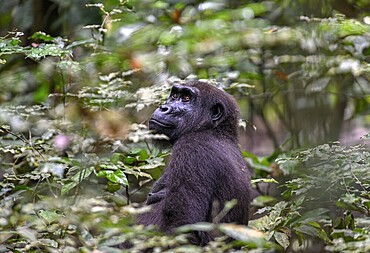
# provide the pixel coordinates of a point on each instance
(165, 109)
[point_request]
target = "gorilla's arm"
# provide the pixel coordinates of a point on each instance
(154, 197)
(158, 191)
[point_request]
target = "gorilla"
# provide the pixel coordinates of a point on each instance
(206, 168)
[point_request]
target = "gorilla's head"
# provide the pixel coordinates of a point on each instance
(193, 107)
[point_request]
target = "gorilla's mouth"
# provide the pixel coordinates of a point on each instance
(160, 123)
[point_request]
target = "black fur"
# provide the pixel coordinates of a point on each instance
(206, 166)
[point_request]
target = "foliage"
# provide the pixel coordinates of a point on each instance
(75, 153)
(330, 185)
(337, 177)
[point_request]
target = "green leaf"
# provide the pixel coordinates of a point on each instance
(115, 158)
(314, 215)
(243, 234)
(76, 179)
(314, 224)
(256, 162)
(46, 50)
(352, 27)
(143, 155)
(116, 176)
(263, 200)
(42, 36)
(113, 187)
(129, 160)
(41, 93)
(257, 8)
(135, 151)
(14, 41)
(200, 226)
(264, 180)
(68, 186)
(49, 216)
(308, 230)
(323, 236)
(48, 243)
(282, 239)
(168, 38)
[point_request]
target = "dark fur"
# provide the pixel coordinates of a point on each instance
(206, 166)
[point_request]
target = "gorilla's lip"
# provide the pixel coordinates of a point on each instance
(160, 123)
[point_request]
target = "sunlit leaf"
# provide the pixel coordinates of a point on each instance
(116, 176)
(49, 216)
(282, 239)
(243, 233)
(264, 180)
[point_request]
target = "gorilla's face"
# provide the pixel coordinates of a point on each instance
(193, 107)
(177, 116)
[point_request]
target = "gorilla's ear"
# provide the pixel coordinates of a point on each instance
(217, 111)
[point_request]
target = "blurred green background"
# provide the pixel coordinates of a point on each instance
(79, 79)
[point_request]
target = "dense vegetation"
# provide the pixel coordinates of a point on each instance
(79, 79)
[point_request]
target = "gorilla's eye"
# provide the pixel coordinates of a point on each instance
(175, 96)
(186, 98)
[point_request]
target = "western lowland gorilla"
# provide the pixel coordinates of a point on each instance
(206, 168)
